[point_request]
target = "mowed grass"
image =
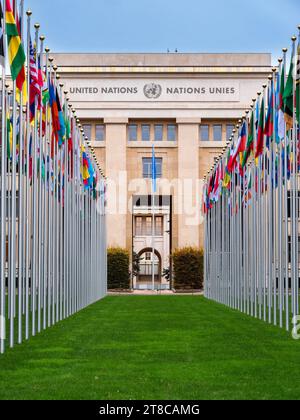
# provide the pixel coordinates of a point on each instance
(164, 347)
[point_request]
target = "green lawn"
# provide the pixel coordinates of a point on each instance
(154, 348)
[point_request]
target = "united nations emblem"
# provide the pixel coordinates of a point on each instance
(152, 91)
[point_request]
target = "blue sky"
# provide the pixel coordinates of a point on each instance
(158, 25)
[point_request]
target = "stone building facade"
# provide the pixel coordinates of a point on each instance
(185, 105)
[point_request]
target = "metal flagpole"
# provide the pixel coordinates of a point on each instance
(3, 201)
(153, 215)
(28, 277)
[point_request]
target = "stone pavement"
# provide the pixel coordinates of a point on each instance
(153, 293)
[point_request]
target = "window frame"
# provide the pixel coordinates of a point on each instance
(159, 167)
(155, 132)
(175, 132)
(202, 126)
(130, 126)
(103, 133)
(214, 133)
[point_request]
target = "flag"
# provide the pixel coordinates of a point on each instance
(239, 148)
(62, 127)
(269, 127)
(288, 97)
(298, 83)
(16, 52)
(250, 142)
(281, 121)
(227, 177)
(2, 58)
(21, 79)
(154, 173)
(54, 113)
(260, 133)
(34, 88)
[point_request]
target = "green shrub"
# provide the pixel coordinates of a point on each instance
(118, 275)
(188, 269)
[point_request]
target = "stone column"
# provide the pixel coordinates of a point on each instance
(116, 172)
(188, 174)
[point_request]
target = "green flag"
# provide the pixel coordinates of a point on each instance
(288, 97)
(250, 144)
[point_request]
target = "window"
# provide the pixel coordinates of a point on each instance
(148, 256)
(217, 132)
(148, 231)
(158, 132)
(204, 133)
(143, 226)
(138, 226)
(158, 226)
(132, 131)
(100, 135)
(229, 129)
(171, 132)
(147, 167)
(145, 132)
(87, 131)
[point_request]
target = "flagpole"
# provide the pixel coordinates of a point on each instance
(153, 217)
(3, 196)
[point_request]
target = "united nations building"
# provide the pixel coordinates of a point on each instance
(186, 106)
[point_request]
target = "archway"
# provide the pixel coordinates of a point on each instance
(144, 279)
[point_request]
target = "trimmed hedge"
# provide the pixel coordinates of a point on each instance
(188, 269)
(118, 274)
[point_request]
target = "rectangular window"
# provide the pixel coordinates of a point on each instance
(100, 132)
(217, 132)
(147, 167)
(87, 131)
(158, 132)
(145, 132)
(171, 132)
(204, 133)
(158, 226)
(138, 226)
(148, 231)
(229, 129)
(132, 132)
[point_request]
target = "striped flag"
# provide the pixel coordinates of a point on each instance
(261, 129)
(16, 52)
(288, 96)
(35, 91)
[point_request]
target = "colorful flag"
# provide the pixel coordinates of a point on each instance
(288, 97)
(250, 142)
(16, 52)
(260, 133)
(54, 113)
(239, 148)
(281, 120)
(269, 127)
(34, 88)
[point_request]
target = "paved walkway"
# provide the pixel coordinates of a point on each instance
(153, 293)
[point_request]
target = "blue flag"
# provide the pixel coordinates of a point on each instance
(153, 171)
